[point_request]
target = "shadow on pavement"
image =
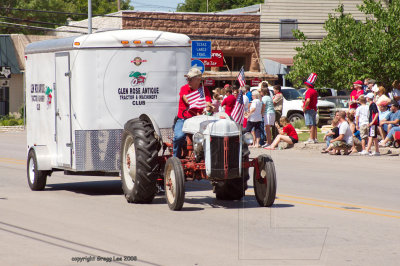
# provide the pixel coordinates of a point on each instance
(92, 188)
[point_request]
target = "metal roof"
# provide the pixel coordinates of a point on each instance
(7, 54)
(253, 9)
(108, 39)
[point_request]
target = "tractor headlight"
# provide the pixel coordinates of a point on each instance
(198, 138)
(248, 138)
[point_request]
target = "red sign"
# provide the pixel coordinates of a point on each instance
(255, 82)
(216, 60)
(209, 82)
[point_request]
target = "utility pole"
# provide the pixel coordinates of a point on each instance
(207, 6)
(90, 16)
(119, 5)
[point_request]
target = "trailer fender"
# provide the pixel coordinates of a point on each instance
(150, 119)
(43, 157)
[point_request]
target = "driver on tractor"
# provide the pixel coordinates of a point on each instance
(193, 98)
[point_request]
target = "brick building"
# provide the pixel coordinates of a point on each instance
(237, 35)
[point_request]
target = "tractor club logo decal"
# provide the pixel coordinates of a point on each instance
(138, 61)
(49, 95)
(138, 78)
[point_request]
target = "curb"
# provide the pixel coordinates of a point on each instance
(11, 128)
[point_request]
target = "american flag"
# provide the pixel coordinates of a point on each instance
(197, 99)
(241, 78)
(238, 111)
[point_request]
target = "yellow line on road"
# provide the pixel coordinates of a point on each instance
(14, 161)
(342, 206)
(338, 203)
(339, 208)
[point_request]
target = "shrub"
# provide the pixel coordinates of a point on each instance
(299, 124)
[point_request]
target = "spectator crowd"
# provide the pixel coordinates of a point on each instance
(372, 120)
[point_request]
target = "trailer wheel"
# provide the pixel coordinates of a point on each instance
(36, 179)
(139, 162)
(265, 187)
(234, 189)
(174, 183)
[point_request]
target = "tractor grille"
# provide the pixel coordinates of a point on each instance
(217, 157)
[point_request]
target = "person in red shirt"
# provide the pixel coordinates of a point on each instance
(358, 90)
(229, 101)
(287, 134)
(184, 110)
(310, 111)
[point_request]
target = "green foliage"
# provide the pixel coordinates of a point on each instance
(214, 5)
(8, 120)
(299, 124)
(73, 6)
(352, 49)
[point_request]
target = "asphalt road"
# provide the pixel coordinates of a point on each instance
(330, 210)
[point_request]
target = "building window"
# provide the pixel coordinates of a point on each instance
(234, 63)
(286, 28)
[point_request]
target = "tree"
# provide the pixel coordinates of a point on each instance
(33, 18)
(352, 49)
(214, 5)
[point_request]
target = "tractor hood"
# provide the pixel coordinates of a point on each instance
(219, 124)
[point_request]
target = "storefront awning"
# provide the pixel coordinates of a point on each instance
(7, 54)
(277, 66)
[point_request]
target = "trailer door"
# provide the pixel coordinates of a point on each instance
(63, 110)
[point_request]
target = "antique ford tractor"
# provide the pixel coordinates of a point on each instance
(215, 150)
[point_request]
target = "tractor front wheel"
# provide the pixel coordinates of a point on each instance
(174, 182)
(265, 186)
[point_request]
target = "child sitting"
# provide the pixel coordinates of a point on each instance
(332, 134)
(287, 134)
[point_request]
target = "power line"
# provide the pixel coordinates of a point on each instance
(36, 27)
(43, 11)
(42, 22)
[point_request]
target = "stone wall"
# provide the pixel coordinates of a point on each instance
(220, 29)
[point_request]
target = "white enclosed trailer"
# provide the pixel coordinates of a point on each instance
(80, 91)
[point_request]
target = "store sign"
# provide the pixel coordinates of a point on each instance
(216, 60)
(209, 82)
(201, 49)
(5, 72)
(255, 82)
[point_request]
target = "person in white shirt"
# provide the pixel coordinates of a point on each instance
(362, 121)
(345, 139)
(254, 118)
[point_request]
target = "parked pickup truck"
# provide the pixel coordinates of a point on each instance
(293, 106)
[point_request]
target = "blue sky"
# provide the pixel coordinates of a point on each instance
(156, 5)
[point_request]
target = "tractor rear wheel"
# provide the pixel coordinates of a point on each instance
(234, 189)
(139, 161)
(265, 186)
(174, 180)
